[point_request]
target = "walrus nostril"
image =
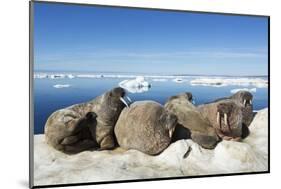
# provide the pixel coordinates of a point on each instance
(124, 101)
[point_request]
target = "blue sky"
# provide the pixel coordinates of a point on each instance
(103, 39)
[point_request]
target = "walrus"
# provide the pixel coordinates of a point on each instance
(245, 99)
(87, 125)
(191, 121)
(145, 126)
(226, 116)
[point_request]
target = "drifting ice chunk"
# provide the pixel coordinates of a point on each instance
(40, 76)
(137, 85)
(178, 80)
(253, 90)
(56, 76)
(220, 82)
(70, 76)
(59, 86)
(160, 80)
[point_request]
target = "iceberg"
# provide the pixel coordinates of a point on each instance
(253, 90)
(178, 80)
(56, 76)
(221, 82)
(137, 85)
(70, 76)
(59, 86)
(40, 76)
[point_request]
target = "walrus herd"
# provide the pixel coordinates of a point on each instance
(113, 120)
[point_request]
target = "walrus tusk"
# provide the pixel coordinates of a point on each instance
(244, 102)
(129, 99)
(123, 100)
(170, 133)
(225, 119)
(250, 101)
(218, 117)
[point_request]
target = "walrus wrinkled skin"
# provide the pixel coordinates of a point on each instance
(145, 126)
(245, 99)
(87, 125)
(226, 116)
(191, 120)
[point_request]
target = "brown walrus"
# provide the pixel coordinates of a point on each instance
(191, 121)
(226, 116)
(245, 99)
(145, 126)
(87, 125)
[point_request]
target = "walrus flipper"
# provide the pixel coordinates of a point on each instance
(80, 146)
(70, 140)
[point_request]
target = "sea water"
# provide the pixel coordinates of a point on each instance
(53, 94)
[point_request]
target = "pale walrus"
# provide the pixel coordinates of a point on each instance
(226, 116)
(145, 126)
(191, 121)
(87, 125)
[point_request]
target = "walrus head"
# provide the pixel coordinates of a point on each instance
(186, 96)
(169, 121)
(119, 94)
(229, 118)
(244, 97)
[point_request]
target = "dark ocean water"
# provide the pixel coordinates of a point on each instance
(48, 99)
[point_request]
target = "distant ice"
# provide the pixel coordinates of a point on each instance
(137, 81)
(59, 86)
(137, 85)
(40, 76)
(178, 80)
(221, 82)
(160, 80)
(253, 90)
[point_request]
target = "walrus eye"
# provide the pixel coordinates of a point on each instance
(124, 101)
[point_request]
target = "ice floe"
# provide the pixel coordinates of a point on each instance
(159, 79)
(221, 82)
(59, 86)
(137, 85)
(253, 90)
(249, 155)
(178, 80)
